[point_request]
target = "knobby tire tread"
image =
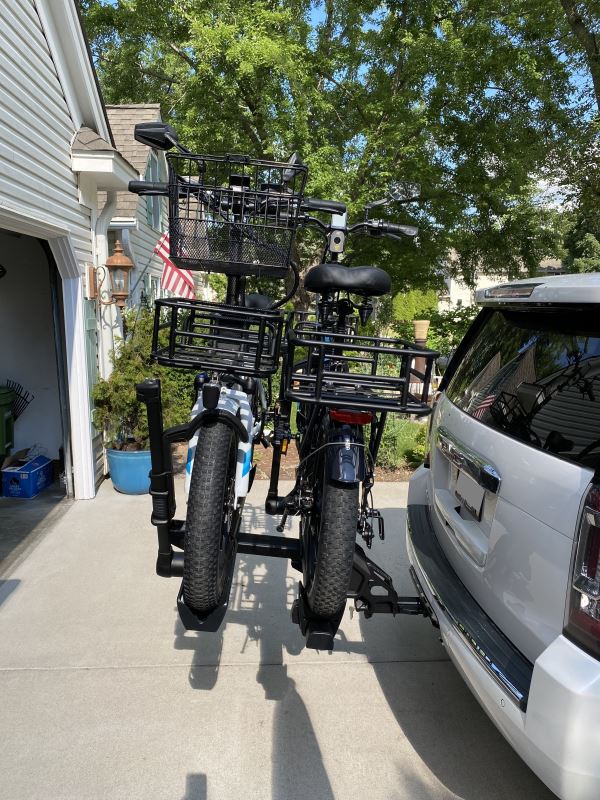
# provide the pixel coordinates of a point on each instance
(204, 520)
(335, 556)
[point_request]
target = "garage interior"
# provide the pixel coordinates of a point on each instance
(32, 356)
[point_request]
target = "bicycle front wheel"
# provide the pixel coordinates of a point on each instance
(209, 545)
(329, 566)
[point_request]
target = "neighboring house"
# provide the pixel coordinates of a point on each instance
(61, 175)
(138, 222)
(458, 294)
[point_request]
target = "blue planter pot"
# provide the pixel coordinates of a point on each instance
(130, 470)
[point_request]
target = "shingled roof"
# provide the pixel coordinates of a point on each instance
(88, 139)
(122, 121)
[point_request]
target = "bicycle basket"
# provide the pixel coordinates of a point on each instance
(198, 335)
(359, 372)
(233, 214)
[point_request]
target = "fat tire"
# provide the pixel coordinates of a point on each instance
(213, 469)
(335, 554)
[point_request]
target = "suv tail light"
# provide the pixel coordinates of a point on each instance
(583, 613)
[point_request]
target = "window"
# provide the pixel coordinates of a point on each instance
(536, 376)
(153, 204)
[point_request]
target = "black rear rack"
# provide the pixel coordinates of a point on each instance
(361, 372)
(197, 335)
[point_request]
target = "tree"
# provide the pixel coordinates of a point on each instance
(474, 103)
(414, 304)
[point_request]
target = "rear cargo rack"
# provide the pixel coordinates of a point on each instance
(354, 371)
(198, 335)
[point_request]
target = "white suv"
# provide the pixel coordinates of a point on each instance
(504, 522)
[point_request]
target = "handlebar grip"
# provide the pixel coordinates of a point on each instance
(327, 206)
(385, 228)
(149, 188)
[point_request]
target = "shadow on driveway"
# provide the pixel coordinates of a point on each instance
(462, 752)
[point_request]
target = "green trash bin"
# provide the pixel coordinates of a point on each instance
(7, 422)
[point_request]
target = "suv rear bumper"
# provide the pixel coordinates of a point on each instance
(549, 711)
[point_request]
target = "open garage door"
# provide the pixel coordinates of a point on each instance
(31, 345)
(33, 359)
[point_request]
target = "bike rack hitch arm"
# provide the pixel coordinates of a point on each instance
(162, 488)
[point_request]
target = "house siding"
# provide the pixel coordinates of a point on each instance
(37, 130)
(143, 239)
(39, 193)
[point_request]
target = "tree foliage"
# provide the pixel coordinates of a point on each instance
(474, 100)
(414, 304)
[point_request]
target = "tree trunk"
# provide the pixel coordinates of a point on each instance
(587, 40)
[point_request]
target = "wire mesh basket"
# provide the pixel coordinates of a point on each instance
(233, 214)
(359, 372)
(197, 335)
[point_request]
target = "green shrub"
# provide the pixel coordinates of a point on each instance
(415, 304)
(117, 411)
(448, 328)
(403, 443)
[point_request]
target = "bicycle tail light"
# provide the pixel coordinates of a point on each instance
(351, 417)
(583, 611)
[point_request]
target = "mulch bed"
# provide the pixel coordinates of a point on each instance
(263, 457)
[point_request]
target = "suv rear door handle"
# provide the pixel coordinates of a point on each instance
(468, 460)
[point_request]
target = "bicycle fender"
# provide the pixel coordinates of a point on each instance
(345, 461)
(222, 415)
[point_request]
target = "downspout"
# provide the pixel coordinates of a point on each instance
(107, 314)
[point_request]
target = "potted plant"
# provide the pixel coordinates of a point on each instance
(122, 417)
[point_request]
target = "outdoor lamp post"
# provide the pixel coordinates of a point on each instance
(118, 267)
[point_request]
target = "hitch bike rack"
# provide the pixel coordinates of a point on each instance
(320, 633)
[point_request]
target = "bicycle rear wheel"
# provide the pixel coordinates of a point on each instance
(209, 544)
(329, 548)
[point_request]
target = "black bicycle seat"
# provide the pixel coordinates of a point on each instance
(370, 281)
(259, 302)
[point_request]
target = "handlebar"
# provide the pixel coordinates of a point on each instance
(149, 188)
(380, 227)
(326, 206)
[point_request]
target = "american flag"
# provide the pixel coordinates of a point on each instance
(178, 281)
(483, 406)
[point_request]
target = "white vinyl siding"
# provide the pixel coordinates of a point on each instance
(36, 130)
(40, 192)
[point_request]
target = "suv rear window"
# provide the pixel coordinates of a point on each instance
(536, 376)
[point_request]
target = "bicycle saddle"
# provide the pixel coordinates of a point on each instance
(370, 281)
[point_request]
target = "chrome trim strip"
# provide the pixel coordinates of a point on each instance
(468, 460)
(493, 669)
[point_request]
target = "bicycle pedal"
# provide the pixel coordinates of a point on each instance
(296, 612)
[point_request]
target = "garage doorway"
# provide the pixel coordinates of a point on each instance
(32, 357)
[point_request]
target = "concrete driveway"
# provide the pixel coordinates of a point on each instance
(104, 695)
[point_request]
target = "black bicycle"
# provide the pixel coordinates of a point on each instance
(238, 216)
(344, 384)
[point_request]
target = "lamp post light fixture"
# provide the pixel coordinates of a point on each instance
(118, 267)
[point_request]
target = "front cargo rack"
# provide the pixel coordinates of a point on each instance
(233, 214)
(194, 334)
(360, 372)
